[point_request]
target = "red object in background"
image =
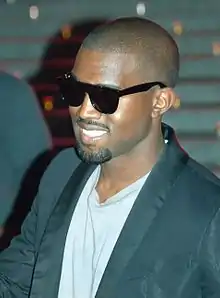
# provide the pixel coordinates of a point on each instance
(48, 103)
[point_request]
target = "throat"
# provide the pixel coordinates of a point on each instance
(108, 186)
(124, 170)
(105, 194)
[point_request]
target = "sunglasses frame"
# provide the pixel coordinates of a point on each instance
(68, 77)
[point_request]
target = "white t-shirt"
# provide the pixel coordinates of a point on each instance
(92, 235)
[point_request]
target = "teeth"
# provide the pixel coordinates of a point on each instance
(93, 133)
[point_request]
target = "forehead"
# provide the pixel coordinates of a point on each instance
(102, 67)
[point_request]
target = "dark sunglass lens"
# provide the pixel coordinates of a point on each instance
(105, 100)
(71, 91)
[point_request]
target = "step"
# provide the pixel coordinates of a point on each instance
(193, 121)
(67, 10)
(197, 6)
(22, 50)
(197, 44)
(48, 27)
(198, 93)
(193, 17)
(201, 68)
(40, 30)
(203, 152)
(105, 7)
(191, 23)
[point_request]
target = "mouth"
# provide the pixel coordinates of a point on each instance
(88, 136)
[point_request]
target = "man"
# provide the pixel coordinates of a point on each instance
(138, 217)
(24, 137)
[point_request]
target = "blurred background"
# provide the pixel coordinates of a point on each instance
(39, 39)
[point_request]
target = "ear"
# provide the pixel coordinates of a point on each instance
(163, 100)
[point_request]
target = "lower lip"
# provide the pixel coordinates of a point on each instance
(89, 140)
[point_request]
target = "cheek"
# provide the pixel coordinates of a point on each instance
(133, 116)
(73, 111)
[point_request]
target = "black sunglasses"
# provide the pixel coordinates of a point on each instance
(104, 99)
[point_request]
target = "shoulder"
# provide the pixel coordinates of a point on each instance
(206, 181)
(198, 190)
(16, 92)
(58, 173)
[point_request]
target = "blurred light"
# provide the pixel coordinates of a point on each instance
(216, 48)
(34, 12)
(177, 27)
(48, 103)
(66, 32)
(177, 103)
(17, 74)
(10, 1)
(218, 128)
(141, 8)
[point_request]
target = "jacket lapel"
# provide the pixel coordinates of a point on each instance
(49, 261)
(143, 214)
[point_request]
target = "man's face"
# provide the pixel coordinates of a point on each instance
(101, 137)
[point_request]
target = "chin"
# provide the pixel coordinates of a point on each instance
(93, 156)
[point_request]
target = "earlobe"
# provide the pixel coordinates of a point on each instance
(164, 99)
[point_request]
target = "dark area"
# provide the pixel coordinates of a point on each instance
(25, 197)
(58, 59)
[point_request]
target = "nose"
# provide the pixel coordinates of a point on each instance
(87, 111)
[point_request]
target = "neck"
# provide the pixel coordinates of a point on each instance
(126, 169)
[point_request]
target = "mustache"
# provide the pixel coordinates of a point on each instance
(91, 122)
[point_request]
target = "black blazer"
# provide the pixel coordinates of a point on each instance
(169, 246)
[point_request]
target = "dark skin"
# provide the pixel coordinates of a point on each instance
(134, 136)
